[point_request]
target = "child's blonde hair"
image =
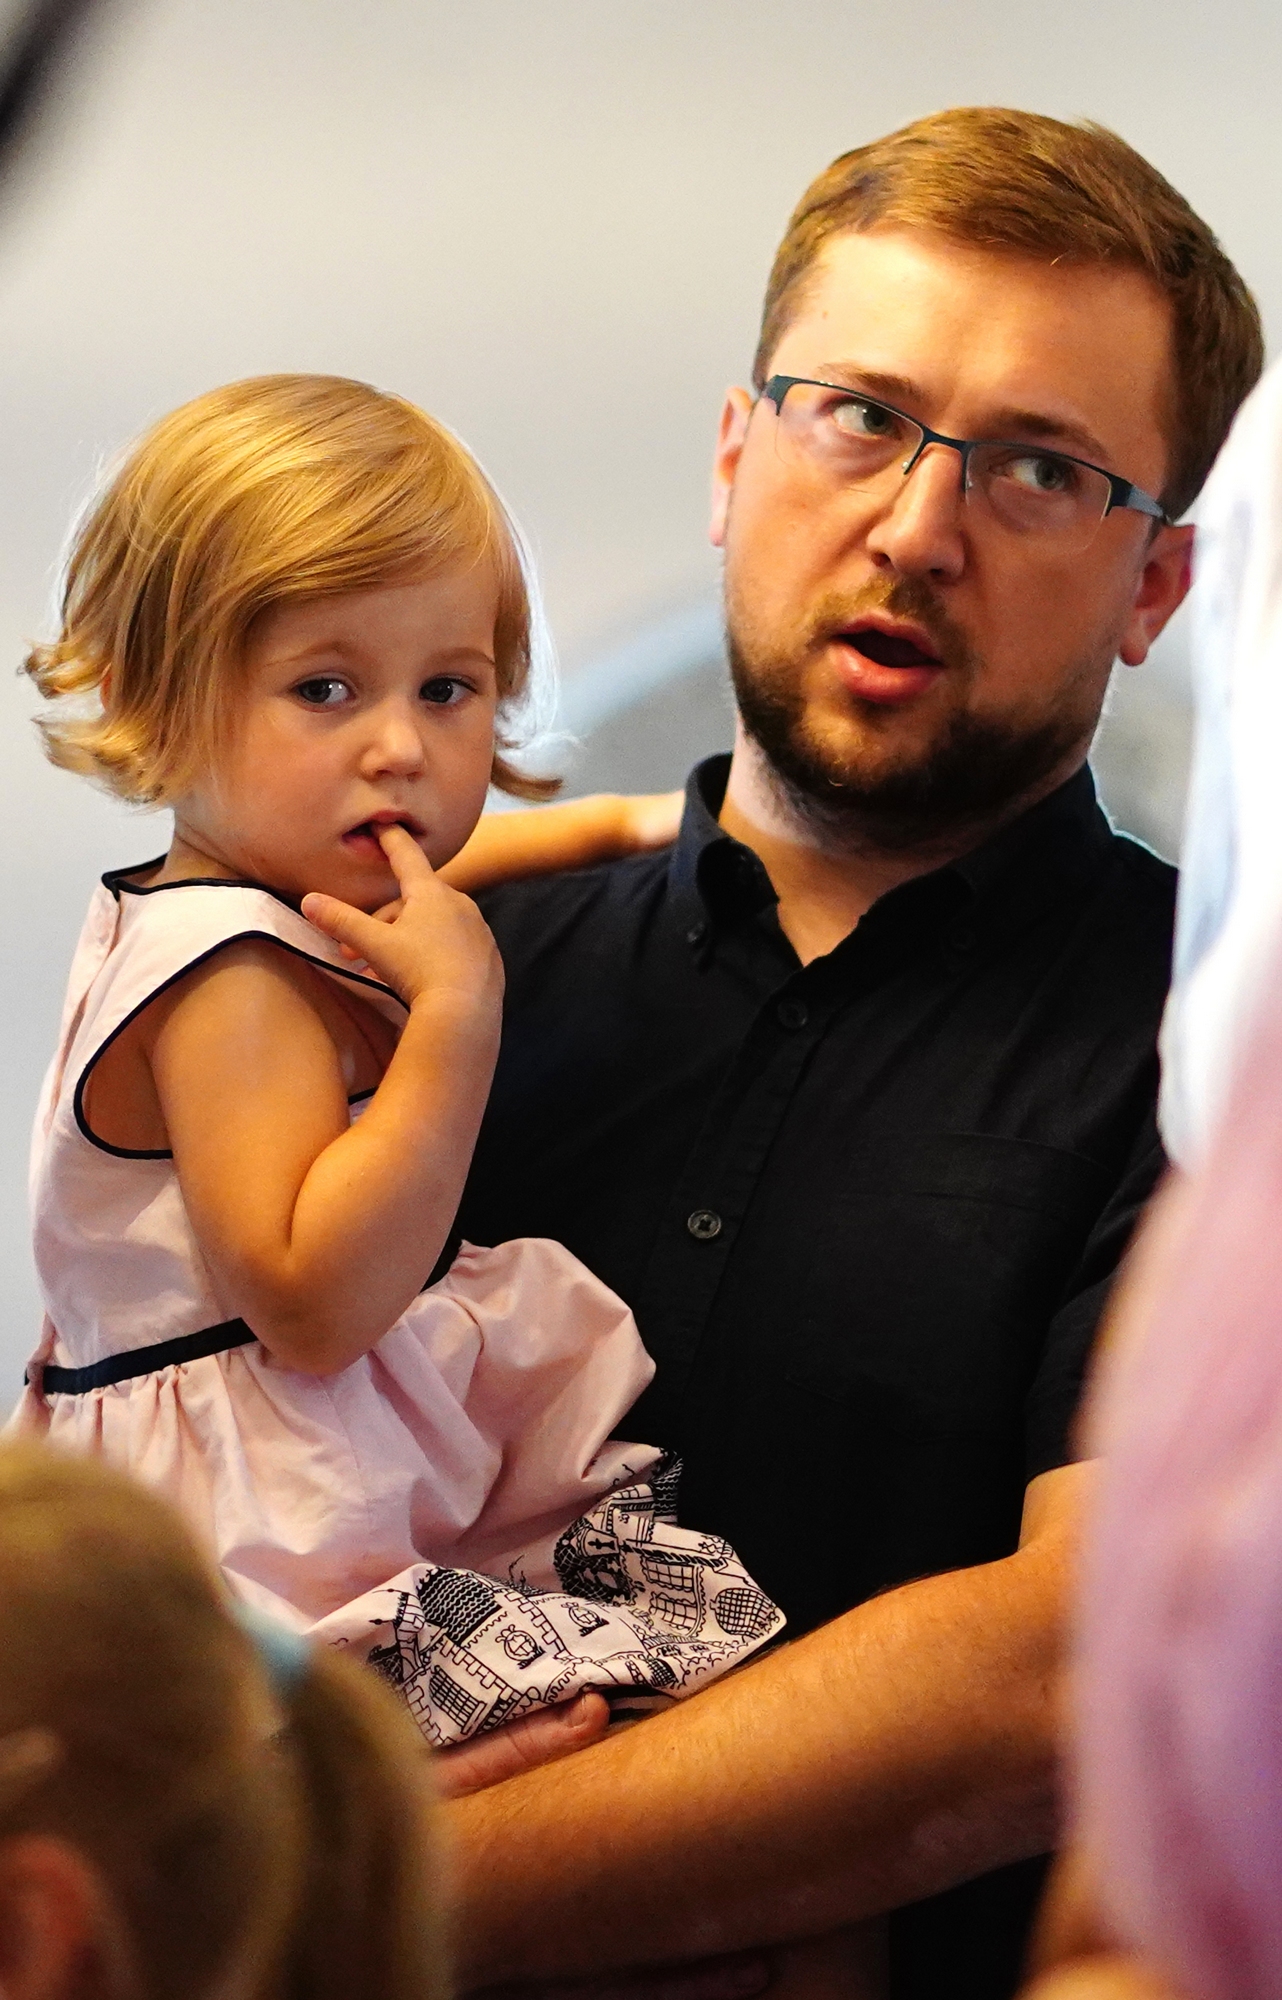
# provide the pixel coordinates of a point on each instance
(278, 488)
(136, 1725)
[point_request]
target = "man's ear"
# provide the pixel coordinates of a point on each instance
(51, 1920)
(1162, 588)
(735, 413)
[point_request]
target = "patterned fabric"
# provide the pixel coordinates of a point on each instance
(626, 1602)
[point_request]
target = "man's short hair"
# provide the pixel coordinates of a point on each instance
(1013, 180)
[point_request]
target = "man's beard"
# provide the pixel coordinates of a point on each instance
(974, 773)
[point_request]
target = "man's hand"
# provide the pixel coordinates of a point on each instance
(544, 1738)
(536, 1739)
(902, 1749)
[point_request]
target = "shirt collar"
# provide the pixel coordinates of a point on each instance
(1060, 840)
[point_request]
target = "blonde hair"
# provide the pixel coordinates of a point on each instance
(1018, 181)
(271, 490)
(136, 1714)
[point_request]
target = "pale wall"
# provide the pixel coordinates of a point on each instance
(549, 220)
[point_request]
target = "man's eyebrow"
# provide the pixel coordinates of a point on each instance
(1012, 424)
(1042, 428)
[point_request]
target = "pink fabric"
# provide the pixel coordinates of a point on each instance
(1179, 1697)
(477, 1427)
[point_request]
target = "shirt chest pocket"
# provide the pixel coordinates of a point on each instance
(946, 1256)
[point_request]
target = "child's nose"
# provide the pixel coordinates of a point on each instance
(395, 743)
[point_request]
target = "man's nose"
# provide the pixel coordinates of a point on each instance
(395, 741)
(919, 529)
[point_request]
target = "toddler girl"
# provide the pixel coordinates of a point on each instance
(185, 1815)
(302, 616)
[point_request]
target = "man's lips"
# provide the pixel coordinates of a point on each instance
(886, 663)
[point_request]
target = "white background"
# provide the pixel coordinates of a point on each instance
(547, 220)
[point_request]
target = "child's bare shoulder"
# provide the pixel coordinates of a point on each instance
(246, 977)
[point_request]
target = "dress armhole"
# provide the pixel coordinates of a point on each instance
(358, 979)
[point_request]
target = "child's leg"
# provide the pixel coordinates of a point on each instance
(845, 1965)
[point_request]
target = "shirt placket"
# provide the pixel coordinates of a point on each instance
(711, 1200)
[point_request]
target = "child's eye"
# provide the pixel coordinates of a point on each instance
(442, 691)
(323, 691)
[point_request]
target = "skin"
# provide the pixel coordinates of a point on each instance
(315, 1230)
(910, 1744)
(318, 1231)
(970, 342)
(54, 1925)
(1075, 1954)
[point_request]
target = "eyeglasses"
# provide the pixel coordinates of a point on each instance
(858, 442)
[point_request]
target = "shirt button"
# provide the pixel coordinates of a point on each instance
(792, 1013)
(697, 933)
(703, 1224)
(963, 939)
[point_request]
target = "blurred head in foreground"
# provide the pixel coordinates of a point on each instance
(171, 1823)
(1180, 1675)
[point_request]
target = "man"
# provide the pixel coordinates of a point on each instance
(850, 1095)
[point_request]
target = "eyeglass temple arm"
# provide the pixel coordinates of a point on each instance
(777, 388)
(1123, 494)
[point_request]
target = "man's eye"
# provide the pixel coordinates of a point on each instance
(442, 691)
(323, 691)
(865, 420)
(1038, 472)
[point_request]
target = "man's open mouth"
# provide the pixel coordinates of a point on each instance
(888, 649)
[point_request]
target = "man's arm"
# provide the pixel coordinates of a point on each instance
(905, 1747)
(581, 833)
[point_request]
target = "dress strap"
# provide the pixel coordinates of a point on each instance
(220, 1339)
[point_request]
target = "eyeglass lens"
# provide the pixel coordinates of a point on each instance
(858, 443)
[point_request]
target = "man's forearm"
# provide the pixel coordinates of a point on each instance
(901, 1749)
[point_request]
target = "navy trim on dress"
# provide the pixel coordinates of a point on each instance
(238, 937)
(118, 879)
(220, 1339)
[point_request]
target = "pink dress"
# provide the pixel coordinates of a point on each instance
(453, 1504)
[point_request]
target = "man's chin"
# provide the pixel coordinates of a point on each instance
(940, 786)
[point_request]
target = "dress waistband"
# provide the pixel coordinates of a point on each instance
(220, 1339)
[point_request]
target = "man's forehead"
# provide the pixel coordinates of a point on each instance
(986, 334)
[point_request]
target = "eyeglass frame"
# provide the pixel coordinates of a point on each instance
(1121, 492)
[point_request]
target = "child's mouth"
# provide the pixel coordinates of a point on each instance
(365, 837)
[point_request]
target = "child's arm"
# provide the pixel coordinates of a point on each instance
(579, 834)
(318, 1233)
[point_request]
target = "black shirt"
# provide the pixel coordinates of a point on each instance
(866, 1210)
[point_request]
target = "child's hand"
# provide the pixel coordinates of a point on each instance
(436, 947)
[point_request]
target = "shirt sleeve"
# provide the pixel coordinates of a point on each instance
(1051, 1407)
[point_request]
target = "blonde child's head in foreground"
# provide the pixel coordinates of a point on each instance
(304, 613)
(172, 1824)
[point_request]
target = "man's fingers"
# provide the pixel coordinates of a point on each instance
(537, 1739)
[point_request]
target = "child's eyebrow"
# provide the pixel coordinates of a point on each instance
(466, 653)
(328, 649)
